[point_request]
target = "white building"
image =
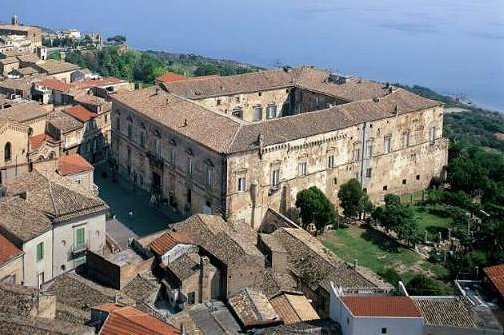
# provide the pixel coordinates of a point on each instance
(373, 314)
(54, 221)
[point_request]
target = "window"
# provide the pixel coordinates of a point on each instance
(129, 160)
(272, 112)
(142, 138)
(356, 154)
(173, 155)
(238, 113)
(369, 149)
(330, 161)
(209, 176)
(275, 177)
(106, 118)
(258, 113)
(335, 181)
(191, 298)
(40, 279)
(7, 152)
(384, 330)
(80, 238)
(406, 139)
(302, 168)
(432, 135)
(404, 181)
(189, 196)
(218, 102)
(241, 184)
(368, 172)
(387, 144)
(385, 187)
(189, 165)
(118, 124)
(40, 251)
(158, 147)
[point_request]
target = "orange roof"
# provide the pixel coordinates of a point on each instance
(87, 83)
(496, 275)
(169, 77)
(80, 113)
(8, 251)
(55, 84)
(37, 140)
(72, 164)
(167, 241)
(381, 306)
(130, 321)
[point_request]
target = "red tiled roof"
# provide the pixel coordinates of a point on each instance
(80, 113)
(72, 164)
(381, 306)
(8, 251)
(37, 140)
(169, 77)
(130, 321)
(55, 84)
(496, 275)
(167, 241)
(87, 83)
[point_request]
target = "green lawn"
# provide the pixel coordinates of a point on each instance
(378, 252)
(433, 220)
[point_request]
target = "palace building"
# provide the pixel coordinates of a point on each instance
(239, 145)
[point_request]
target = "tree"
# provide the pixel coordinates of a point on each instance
(350, 195)
(423, 285)
(391, 276)
(118, 39)
(315, 207)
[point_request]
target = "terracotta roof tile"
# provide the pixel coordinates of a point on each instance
(37, 140)
(8, 251)
(73, 164)
(128, 320)
(22, 220)
(88, 83)
(26, 111)
(54, 67)
(381, 306)
(169, 77)
(253, 309)
(293, 308)
(63, 122)
(80, 113)
(167, 241)
(55, 84)
(496, 275)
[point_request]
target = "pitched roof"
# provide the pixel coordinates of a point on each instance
(8, 251)
(127, 320)
(381, 306)
(37, 140)
(23, 112)
(55, 196)
(9, 60)
(185, 266)
(496, 275)
(18, 27)
(293, 308)
(102, 82)
(169, 77)
(55, 84)
(28, 57)
(72, 164)
(64, 122)
(253, 309)
(167, 241)
(183, 116)
(54, 67)
(22, 220)
(80, 113)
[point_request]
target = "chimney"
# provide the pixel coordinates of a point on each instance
(205, 279)
(158, 90)
(355, 263)
(182, 329)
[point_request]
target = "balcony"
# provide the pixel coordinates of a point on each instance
(79, 250)
(155, 160)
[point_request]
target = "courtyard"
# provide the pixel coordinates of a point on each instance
(131, 205)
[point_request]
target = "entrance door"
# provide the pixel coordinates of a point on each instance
(156, 183)
(40, 279)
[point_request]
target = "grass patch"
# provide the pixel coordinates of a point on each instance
(378, 252)
(433, 220)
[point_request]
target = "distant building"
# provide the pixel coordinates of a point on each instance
(32, 35)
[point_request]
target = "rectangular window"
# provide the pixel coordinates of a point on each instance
(368, 172)
(432, 135)
(130, 130)
(356, 154)
(330, 161)
(80, 238)
(209, 176)
(173, 156)
(387, 144)
(142, 138)
(158, 147)
(302, 168)
(406, 139)
(189, 196)
(40, 251)
(369, 149)
(191, 298)
(189, 166)
(272, 111)
(275, 177)
(241, 184)
(258, 113)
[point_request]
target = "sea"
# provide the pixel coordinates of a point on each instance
(452, 46)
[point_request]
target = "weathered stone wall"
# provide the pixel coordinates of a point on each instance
(17, 136)
(13, 268)
(246, 102)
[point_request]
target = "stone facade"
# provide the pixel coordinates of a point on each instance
(326, 131)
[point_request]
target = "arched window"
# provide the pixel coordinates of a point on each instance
(7, 151)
